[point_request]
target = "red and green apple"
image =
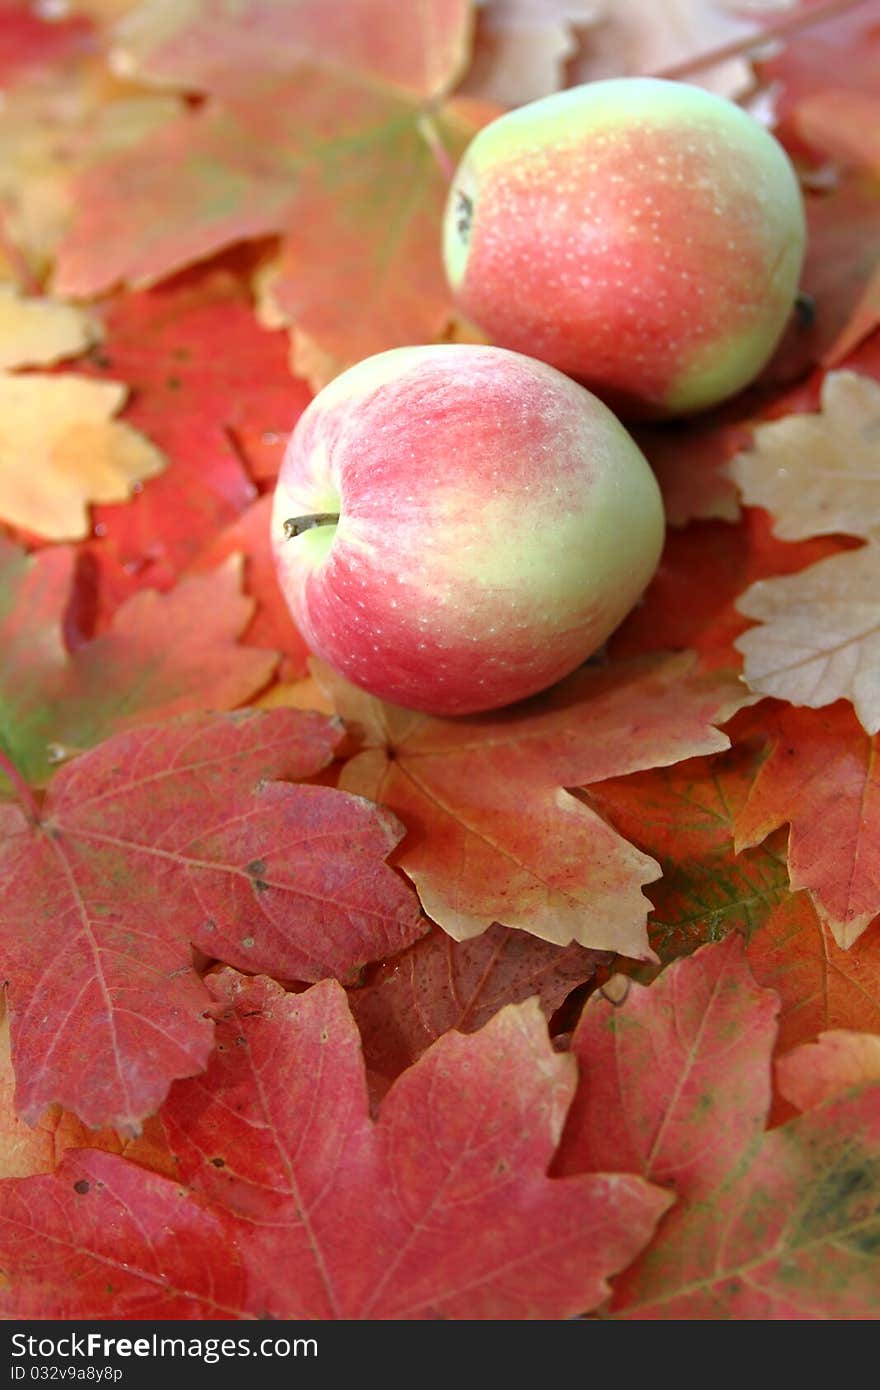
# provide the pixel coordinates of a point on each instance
(644, 236)
(458, 526)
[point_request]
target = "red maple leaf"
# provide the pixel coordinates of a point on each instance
(161, 655)
(160, 839)
(691, 602)
(439, 984)
(440, 1209)
(686, 817)
(103, 1236)
(708, 1030)
(493, 835)
(214, 391)
(29, 40)
(676, 1085)
(322, 132)
(272, 625)
(840, 49)
(838, 1060)
(821, 776)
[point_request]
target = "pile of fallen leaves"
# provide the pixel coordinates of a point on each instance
(321, 1008)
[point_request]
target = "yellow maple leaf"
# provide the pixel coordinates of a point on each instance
(819, 639)
(36, 332)
(60, 449)
(819, 474)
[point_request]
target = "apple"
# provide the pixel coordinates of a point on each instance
(458, 526)
(642, 235)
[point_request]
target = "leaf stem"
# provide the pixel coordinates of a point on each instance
(295, 525)
(24, 792)
(779, 28)
(431, 136)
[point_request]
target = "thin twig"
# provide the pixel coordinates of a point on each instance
(776, 29)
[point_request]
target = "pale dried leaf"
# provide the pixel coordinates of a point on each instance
(522, 47)
(60, 449)
(819, 474)
(37, 332)
(820, 635)
(642, 38)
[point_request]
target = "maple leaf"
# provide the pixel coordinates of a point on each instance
(31, 40)
(168, 836)
(864, 319)
(521, 47)
(866, 357)
(819, 474)
(493, 837)
(25, 1150)
(103, 1234)
(442, 1208)
(636, 38)
(708, 1030)
(162, 655)
(839, 277)
(215, 392)
(686, 817)
(300, 694)
(819, 639)
(843, 124)
(821, 985)
(692, 599)
(37, 332)
(838, 49)
(820, 775)
(440, 984)
(688, 460)
(314, 137)
(54, 125)
(60, 449)
(822, 1070)
(798, 1241)
(272, 625)
(782, 1225)
(217, 48)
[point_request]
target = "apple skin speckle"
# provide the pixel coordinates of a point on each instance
(644, 236)
(477, 558)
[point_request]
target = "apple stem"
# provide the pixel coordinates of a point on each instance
(783, 27)
(295, 525)
(25, 794)
(805, 308)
